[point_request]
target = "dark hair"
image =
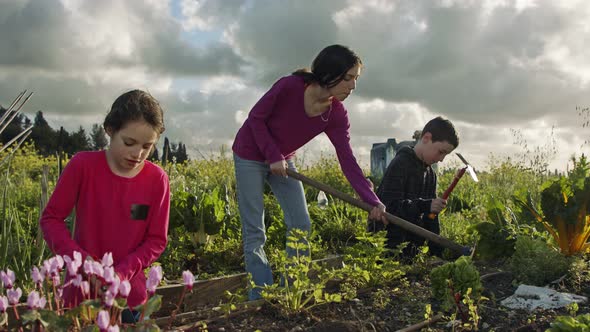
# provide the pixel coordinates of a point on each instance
(132, 106)
(330, 66)
(441, 130)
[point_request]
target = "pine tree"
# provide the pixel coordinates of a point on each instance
(98, 137)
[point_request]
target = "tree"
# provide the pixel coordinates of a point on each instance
(77, 141)
(98, 137)
(43, 135)
(166, 155)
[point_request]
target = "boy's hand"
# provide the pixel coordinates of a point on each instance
(279, 168)
(437, 205)
(378, 213)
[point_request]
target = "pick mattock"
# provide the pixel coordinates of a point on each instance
(390, 217)
(458, 176)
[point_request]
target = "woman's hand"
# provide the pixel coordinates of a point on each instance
(378, 213)
(279, 168)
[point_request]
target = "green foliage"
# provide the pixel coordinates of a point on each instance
(565, 205)
(495, 239)
(536, 263)
(300, 292)
(366, 265)
(580, 323)
(453, 280)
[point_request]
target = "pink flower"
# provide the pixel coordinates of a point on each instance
(102, 320)
(14, 295)
(109, 274)
(189, 279)
(73, 265)
(7, 278)
(85, 286)
(3, 304)
(154, 278)
(35, 302)
(37, 276)
(56, 264)
(114, 328)
(109, 299)
(124, 288)
(107, 259)
(114, 285)
(98, 269)
(77, 281)
(56, 280)
(88, 267)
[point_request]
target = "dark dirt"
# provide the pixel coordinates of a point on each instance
(389, 309)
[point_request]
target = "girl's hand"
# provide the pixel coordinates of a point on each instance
(378, 213)
(279, 168)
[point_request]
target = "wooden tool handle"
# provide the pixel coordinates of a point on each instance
(444, 242)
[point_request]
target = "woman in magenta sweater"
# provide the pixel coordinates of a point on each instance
(295, 110)
(122, 201)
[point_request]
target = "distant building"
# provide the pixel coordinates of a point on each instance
(383, 153)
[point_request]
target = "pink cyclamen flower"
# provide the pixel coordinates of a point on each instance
(56, 264)
(102, 320)
(154, 278)
(56, 279)
(124, 288)
(37, 276)
(8, 278)
(3, 304)
(85, 286)
(107, 259)
(98, 269)
(14, 295)
(77, 281)
(88, 267)
(109, 274)
(109, 299)
(73, 265)
(34, 301)
(189, 279)
(114, 328)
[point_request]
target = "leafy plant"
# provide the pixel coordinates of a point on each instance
(536, 263)
(580, 323)
(565, 205)
(453, 280)
(299, 292)
(366, 265)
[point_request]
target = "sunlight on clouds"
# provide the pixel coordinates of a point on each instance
(240, 116)
(223, 85)
(358, 9)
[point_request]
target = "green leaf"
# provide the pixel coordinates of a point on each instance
(152, 305)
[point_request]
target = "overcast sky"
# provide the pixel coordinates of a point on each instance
(491, 67)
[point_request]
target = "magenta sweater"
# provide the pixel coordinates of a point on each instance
(277, 126)
(105, 221)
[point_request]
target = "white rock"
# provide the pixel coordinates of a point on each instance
(533, 297)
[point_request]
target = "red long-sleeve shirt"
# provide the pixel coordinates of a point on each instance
(277, 126)
(107, 217)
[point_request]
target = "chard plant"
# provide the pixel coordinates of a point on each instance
(104, 297)
(565, 209)
(299, 292)
(452, 281)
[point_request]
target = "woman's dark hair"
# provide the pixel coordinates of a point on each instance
(132, 106)
(330, 66)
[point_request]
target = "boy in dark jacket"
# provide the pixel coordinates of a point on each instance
(408, 187)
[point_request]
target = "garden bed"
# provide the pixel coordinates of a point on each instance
(384, 309)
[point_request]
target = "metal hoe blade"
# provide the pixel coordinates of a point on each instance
(470, 169)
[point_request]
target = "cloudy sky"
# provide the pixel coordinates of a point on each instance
(493, 67)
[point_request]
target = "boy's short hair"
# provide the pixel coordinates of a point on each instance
(441, 130)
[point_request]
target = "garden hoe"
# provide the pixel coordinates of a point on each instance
(458, 176)
(444, 242)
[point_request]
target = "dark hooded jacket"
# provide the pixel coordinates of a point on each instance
(407, 189)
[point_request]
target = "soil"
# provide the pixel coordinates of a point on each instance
(388, 309)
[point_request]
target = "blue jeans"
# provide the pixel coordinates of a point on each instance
(250, 178)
